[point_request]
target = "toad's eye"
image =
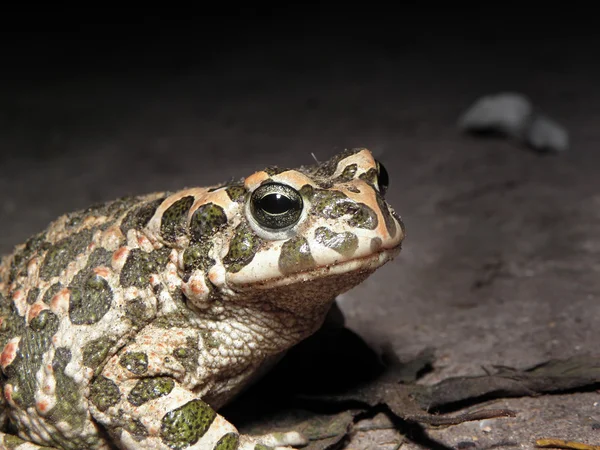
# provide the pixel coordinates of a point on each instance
(276, 206)
(383, 179)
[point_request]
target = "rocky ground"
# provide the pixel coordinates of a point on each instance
(500, 264)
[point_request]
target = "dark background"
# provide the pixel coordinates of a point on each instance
(500, 264)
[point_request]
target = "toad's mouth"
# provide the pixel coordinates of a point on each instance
(365, 264)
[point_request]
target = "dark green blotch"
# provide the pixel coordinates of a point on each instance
(347, 174)
(63, 252)
(363, 217)
(18, 265)
(91, 298)
(140, 265)
(263, 447)
(173, 222)
(209, 339)
(370, 177)
(100, 257)
(51, 292)
(32, 295)
(229, 441)
(35, 341)
(177, 319)
(44, 319)
(390, 224)
(97, 351)
(138, 312)
(104, 393)
(188, 356)
(185, 425)
(69, 407)
(135, 362)
(274, 170)
(196, 257)
(243, 247)
(236, 193)
(206, 221)
(139, 217)
(344, 243)
(335, 204)
(295, 256)
(136, 428)
(328, 168)
(149, 389)
(376, 244)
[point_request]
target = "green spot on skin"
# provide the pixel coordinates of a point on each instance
(274, 170)
(97, 351)
(135, 362)
(242, 248)
(332, 204)
(136, 429)
(42, 320)
(100, 257)
(175, 319)
(344, 243)
(206, 221)
(196, 257)
(209, 340)
(35, 341)
(91, 298)
(229, 441)
(149, 389)
(51, 292)
(69, 406)
(363, 217)
(32, 295)
(262, 447)
(181, 352)
(34, 245)
(139, 217)
(376, 244)
(370, 176)
(327, 168)
(174, 219)
(140, 265)
(188, 356)
(104, 393)
(347, 174)
(63, 252)
(138, 312)
(295, 256)
(390, 224)
(236, 193)
(184, 426)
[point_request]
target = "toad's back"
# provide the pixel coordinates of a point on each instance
(122, 323)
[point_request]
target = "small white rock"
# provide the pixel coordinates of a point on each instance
(512, 114)
(506, 112)
(545, 134)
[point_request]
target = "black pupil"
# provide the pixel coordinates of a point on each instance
(275, 203)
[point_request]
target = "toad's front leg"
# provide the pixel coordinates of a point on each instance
(158, 413)
(148, 396)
